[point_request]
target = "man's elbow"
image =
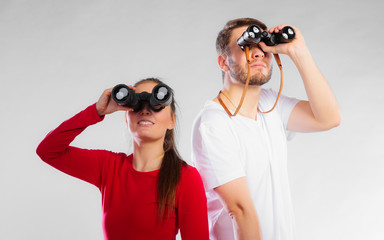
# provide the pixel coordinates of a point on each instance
(239, 211)
(331, 123)
(337, 122)
(245, 222)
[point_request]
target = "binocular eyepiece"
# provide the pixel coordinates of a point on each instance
(160, 97)
(254, 34)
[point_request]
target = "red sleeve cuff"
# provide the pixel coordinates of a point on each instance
(91, 116)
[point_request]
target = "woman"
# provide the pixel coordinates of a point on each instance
(150, 194)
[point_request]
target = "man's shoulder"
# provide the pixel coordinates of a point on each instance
(211, 112)
(213, 119)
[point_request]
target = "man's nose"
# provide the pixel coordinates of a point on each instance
(256, 52)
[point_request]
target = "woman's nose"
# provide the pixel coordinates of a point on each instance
(145, 110)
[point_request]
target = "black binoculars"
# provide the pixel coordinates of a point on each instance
(160, 97)
(254, 34)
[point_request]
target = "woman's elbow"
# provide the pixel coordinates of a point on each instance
(42, 152)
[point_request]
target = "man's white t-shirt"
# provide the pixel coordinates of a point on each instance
(226, 148)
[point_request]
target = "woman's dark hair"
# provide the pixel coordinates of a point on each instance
(170, 170)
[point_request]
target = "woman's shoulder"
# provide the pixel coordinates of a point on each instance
(191, 186)
(189, 173)
(117, 160)
(115, 155)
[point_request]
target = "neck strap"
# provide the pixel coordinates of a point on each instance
(277, 59)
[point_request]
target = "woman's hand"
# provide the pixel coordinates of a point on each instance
(106, 105)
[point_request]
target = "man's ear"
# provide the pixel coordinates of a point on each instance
(222, 61)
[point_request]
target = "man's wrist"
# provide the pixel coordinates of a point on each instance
(300, 54)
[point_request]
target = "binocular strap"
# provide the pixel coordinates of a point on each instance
(278, 61)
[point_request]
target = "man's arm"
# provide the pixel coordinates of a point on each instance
(321, 112)
(236, 199)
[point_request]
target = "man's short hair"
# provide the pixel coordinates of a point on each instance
(224, 35)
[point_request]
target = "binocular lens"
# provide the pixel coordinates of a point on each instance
(251, 36)
(254, 34)
(160, 97)
(288, 33)
(122, 93)
(255, 30)
(162, 93)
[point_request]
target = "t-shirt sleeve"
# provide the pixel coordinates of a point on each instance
(192, 206)
(216, 151)
(80, 163)
(285, 106)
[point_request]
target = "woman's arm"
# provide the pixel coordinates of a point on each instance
(80, 163)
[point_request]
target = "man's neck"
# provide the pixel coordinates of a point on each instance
(231, 96)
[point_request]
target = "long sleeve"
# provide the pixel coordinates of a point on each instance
(80, 163)
(192, 207)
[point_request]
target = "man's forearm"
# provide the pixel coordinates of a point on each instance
(237, 201)
(246, 225)
(322, 101)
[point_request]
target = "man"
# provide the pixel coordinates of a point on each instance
(243, 159)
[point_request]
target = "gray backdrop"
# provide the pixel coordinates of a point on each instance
(56, 58)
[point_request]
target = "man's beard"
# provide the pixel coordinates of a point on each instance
(238, 73)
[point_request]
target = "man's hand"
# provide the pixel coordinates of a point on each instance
(294, 48)
(321, 112)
